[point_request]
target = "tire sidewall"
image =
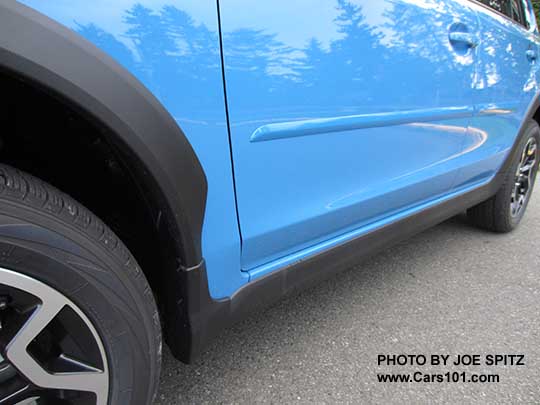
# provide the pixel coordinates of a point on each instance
(65, 259)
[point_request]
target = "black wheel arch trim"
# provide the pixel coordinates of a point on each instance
(36, 49)
(205, 317)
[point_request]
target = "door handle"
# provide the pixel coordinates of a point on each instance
(463, 38)
(532, 55)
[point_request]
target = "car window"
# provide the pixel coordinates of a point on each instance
(513, 9)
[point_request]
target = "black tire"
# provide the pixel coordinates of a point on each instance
(48, 236)
(495, 214)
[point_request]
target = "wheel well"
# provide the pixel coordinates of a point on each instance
(55, 142)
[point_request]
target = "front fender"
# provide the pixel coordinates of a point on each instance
(37, 49)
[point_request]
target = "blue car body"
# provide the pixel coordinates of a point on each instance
(316, 123)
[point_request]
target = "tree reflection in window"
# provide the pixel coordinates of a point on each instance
(510, 8)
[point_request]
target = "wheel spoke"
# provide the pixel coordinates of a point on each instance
(87, 379)
(94, 381)
(523, 157)
(527, 167)
(40, 318)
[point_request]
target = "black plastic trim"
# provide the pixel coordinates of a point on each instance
(43, 52)
(206, 317)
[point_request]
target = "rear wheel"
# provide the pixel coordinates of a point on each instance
(78, 321)
(504, 211)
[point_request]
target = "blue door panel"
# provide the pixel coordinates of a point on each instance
(340, 122)
(505, 85)
(394, 172)
(172, 46)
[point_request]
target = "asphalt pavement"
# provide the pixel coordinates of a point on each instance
(452, 290)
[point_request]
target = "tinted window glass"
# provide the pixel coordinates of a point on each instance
(511, 8)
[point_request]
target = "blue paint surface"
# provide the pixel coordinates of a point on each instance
(344, 114)
(172, 47)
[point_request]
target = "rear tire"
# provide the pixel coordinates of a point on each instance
(504, 211)
(53, 243)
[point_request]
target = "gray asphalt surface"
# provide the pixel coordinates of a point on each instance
(451, 290)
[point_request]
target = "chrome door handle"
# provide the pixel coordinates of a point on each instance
(464, 38)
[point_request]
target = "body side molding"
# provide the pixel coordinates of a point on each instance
(206, 317)
(351, 122)
(292, 129)
(62, 63)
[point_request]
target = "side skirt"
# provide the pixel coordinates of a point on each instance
(203, 317)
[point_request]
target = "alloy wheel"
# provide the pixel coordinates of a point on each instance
(50, 353)
(524, 178)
